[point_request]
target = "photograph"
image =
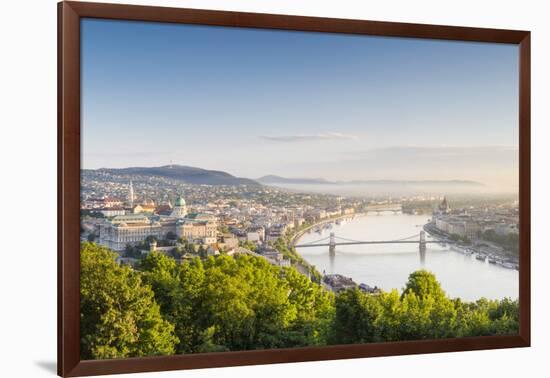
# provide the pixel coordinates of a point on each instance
(256, 189)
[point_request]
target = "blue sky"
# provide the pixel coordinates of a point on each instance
(254, 102)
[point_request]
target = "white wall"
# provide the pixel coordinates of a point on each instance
(28, 158)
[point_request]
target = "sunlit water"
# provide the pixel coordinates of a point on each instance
(388, 266)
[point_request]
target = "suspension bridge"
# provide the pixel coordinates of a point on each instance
(332, 241)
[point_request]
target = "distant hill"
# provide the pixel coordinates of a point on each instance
(271, 179)
(465, 183)
(190, 175)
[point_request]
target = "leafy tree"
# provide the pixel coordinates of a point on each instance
(228, 303)
(134, 251)
(177, 290)
(91, 213)
(119, 317)
(426, 317)
(149, 239)
(160, 272)
(423, 284)
(314, 310)
(190, 327)
(509, 241)
(223, 229)
(422, 311)
(249, 245)
(176, 252)
(246, 302)
(454, 237)
(201, 252)
(243, 302)
(441, 311)
(485, 317)
(190, 248)
(355, 318)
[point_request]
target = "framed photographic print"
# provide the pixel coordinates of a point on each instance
(239, 188)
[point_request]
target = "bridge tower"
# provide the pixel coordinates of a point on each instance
(422, 248)
(422, 243)
(332, 244)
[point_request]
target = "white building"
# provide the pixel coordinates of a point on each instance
(112, 211)
(128, 229)
(253, 236)
(132, 229)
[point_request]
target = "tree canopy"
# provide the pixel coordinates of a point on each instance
(228, 303)
(422, 311)
(119, 316)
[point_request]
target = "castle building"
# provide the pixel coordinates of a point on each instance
(180, 208)
(132, 229)
(204, 231)
(129, 229)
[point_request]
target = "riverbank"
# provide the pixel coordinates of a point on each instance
(483, 250)
(300, 263)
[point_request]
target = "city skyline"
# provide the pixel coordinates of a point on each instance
(255, 102)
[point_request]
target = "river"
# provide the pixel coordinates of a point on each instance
(389, 265)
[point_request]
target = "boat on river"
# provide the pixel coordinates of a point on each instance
(508, 265)
(480, 257)
(454, 248)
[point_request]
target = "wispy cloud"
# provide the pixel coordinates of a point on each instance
(308, 138)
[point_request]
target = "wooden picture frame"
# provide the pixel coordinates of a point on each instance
(69, 16)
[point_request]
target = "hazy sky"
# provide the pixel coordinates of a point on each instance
(255, 102)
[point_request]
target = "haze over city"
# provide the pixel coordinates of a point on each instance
(294, 104)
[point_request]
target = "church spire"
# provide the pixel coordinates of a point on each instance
(131, 194)
(444, 206)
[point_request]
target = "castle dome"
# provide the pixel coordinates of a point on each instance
(179, 210)
(180, 202)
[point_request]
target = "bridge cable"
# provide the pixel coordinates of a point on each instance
(363, 241)
(316, 241)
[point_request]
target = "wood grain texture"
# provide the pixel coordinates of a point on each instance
(68, 189)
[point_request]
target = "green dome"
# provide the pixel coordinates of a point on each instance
(180, 202)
